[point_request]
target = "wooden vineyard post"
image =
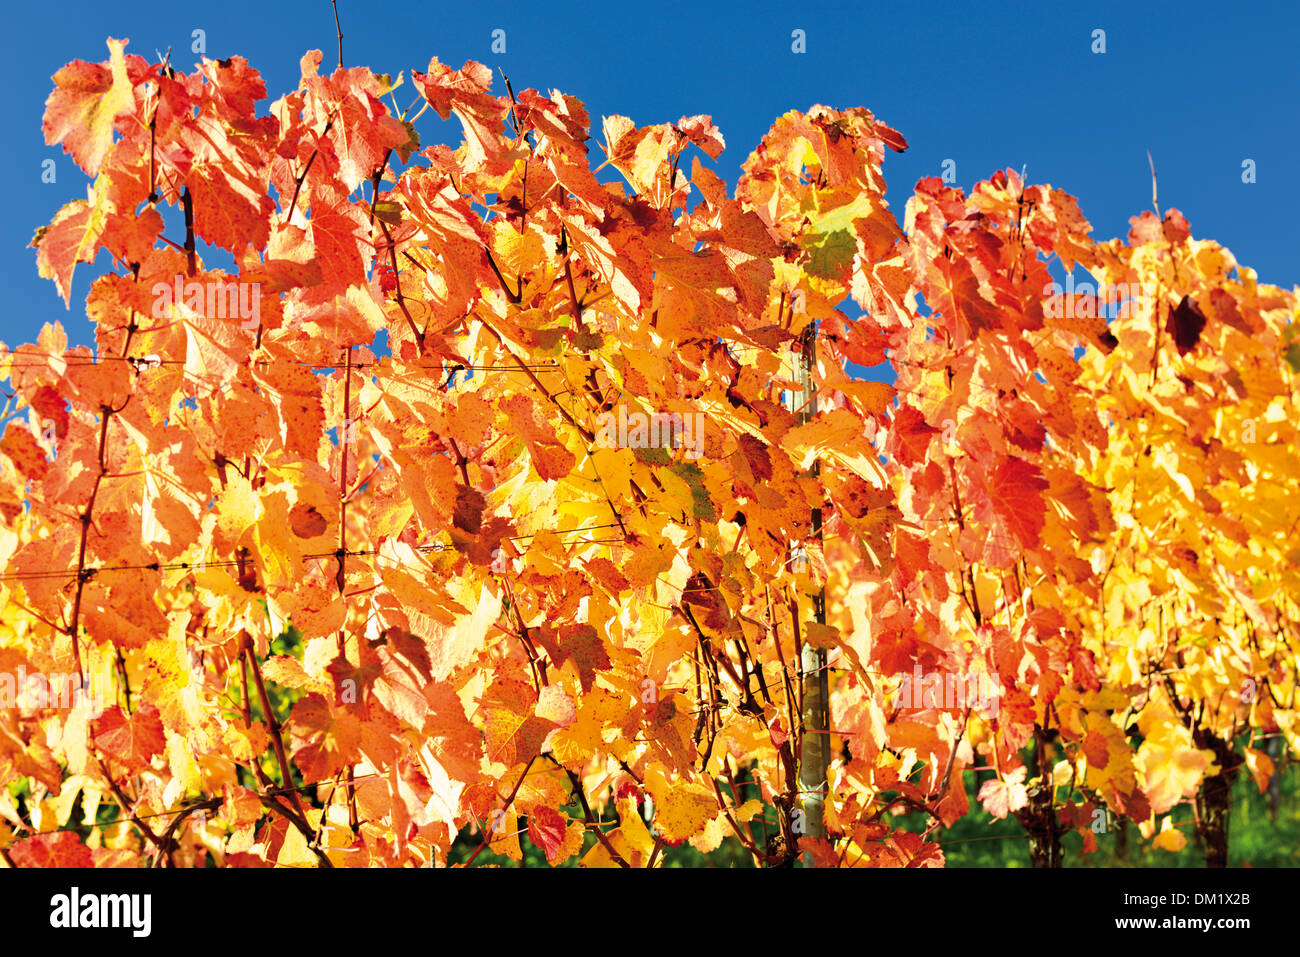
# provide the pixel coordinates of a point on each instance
(814, 757)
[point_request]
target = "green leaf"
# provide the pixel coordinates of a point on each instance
(831, 238)
(831, 253)
(693, 476)
(1292, 356)
(388, 212)
(843, 217)
(411, 145)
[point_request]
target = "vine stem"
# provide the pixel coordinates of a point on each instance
(191, 257)
(87, 518)
(169, 835)
(297, 186)
(488, 831)
(586, 433)
(349, 429)
(335, 5)
(267, 796)
(592, 824)
(126, 805)
(273, 724)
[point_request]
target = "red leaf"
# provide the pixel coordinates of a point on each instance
(1144, 229)
(58, 849)
(468, 516)
(1095, 749)
(891, 137)
(24, 451)
(306, 521)
(87, 98)
(1185, 324)
(582, 645)
(130, 741)
(701, 131)
(1015, 496)
(911, 435)
(1175, 227)
(546, 829)
(71, 238)
(229, 212)
(50, 405)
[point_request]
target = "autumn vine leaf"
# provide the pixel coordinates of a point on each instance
(464, 499)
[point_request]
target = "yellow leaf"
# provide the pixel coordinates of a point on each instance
(1261, 768)
(682, 809)
(1169, 838)
(633, 828)
(295, 851)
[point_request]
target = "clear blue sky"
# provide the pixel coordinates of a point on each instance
(988, 85)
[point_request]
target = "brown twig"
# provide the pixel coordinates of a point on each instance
(487, 832)
(592, 824)
(401, 299)
(274, 726)
(335, 5)
(87, 518)
(587, 434)
(168, 838)
(125, 803)
(297, 186)
(191, 259)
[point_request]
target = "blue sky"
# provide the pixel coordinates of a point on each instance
(990, 86)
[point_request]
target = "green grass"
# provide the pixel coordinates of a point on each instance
(979, 840)
(1254, 839)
